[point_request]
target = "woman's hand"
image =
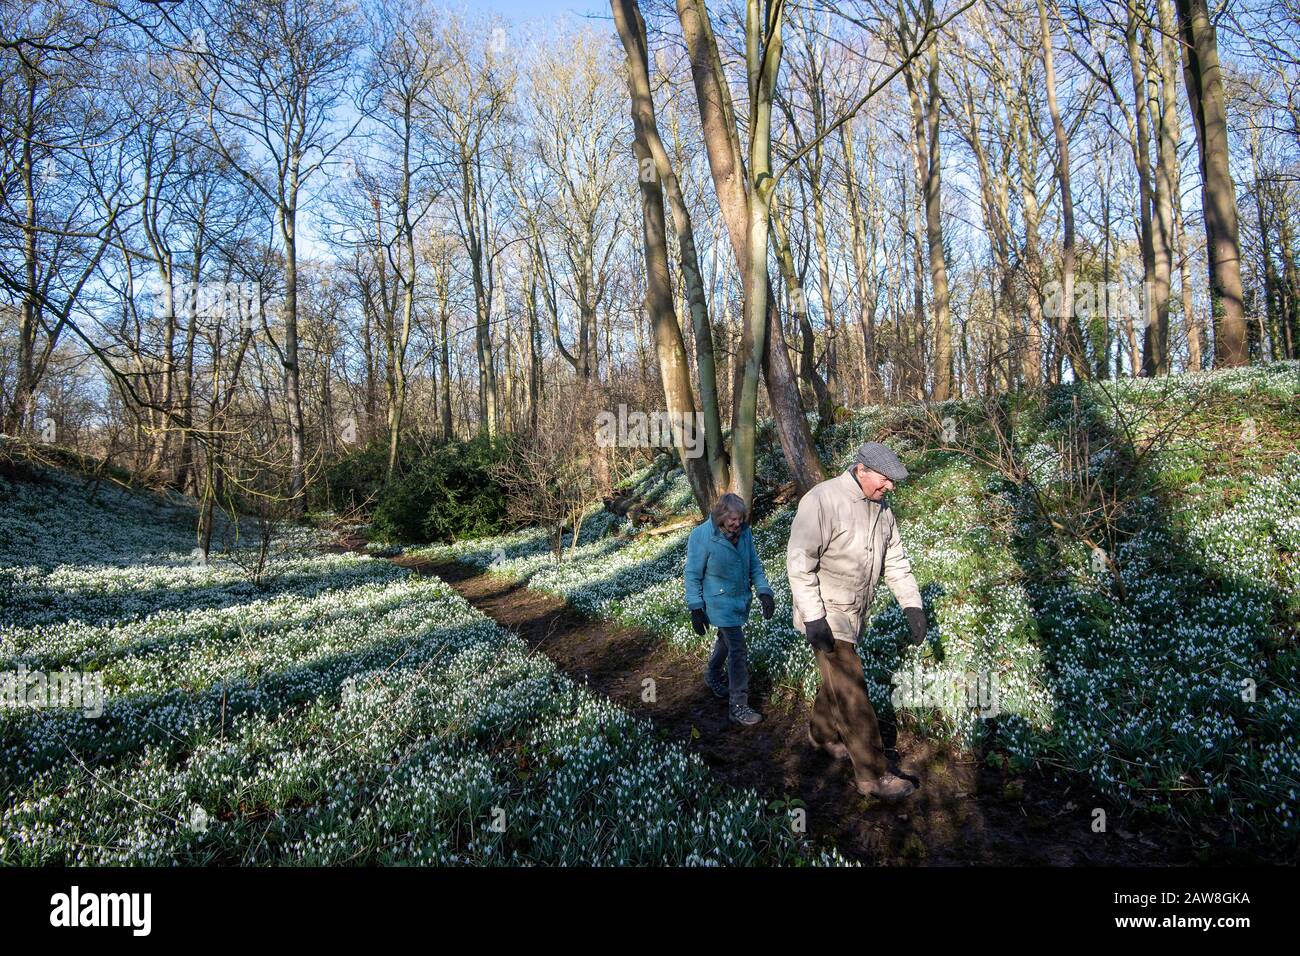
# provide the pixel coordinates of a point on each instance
(699, 620)
(769, 605)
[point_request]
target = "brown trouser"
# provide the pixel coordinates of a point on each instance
(843, 711)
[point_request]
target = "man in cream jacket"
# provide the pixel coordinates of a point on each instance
(843, 541)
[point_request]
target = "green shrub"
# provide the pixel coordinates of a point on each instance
(356, 480)
(449, 494)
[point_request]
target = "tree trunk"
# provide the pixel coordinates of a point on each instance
(863, 264)
(1070, 338)
(1031, 368)
(1156, 355)
(1141, 131)
(928, 166)
(674, 368)
(726, 166)
(807, 370)
(487, 376)
(442, 286)
(696, 300)
(1290, 277)
(1204, 80)
(292, 372)
(762, 62)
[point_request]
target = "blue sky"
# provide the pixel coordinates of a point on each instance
(533, 9)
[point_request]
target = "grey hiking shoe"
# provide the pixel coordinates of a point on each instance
(889, 787)
(744, 714)
(719, 688)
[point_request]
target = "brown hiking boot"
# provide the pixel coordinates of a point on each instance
(889, 787)
(835, 750)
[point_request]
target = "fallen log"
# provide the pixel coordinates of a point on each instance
(675, 526)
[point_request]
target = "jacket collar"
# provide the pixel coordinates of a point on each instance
(849, 485)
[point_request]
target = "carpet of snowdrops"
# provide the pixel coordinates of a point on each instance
(337, 710)
(1185, 697)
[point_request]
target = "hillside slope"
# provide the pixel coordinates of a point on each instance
(1162, 669)
(334, 710)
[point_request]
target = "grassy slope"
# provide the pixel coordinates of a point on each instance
(1148, 698)
(339, 711)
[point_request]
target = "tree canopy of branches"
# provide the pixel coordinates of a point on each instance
(243, 239)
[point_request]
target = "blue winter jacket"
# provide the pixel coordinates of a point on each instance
(721, 577)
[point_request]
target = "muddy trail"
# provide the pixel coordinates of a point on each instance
(963, 811)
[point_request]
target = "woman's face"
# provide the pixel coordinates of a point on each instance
(730, 522)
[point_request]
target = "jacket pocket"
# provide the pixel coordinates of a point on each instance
(715, 585)
(840, 590)
(840, 596)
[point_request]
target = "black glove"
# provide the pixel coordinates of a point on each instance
(819, 635)
(916, 621)
(769, 606)
(699, 620)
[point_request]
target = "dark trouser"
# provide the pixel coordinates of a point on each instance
(843, 711)
(730, 648)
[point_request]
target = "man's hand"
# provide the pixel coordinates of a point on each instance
(769, 605)
(819, 635)
(916, 621)
(699, 620)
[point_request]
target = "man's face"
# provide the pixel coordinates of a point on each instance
(873, 483)
(730, 522)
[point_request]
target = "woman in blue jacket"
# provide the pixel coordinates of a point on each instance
(722, 572)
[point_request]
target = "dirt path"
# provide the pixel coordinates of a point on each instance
(962, 813)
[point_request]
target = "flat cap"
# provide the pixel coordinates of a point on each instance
(880, 458)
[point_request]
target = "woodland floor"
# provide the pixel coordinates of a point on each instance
(963, 811)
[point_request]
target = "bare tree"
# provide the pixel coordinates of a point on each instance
(62, 189)
(465, 110)
(1203, 77)
(271, 73)
(404, 66)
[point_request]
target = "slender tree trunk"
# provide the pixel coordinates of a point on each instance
(674, 369)
(487, 376)
(292, 370)
(1141, 130)
(807, 370)
(762, 61)
(1032, 360)
(442, 283)
(1103, 353)
(1204, 80)
(914, 337)
(534, 349)
(928, 171)
(726, 166)
(1156, 357)
(1070, 339)
(18, 417)
(863, 265)
(1290, 277)
(696, 301)
(397, 404)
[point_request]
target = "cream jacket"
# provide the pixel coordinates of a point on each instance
(841, 545)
